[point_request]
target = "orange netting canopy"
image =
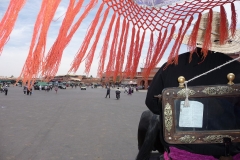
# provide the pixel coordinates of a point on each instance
(129, 20)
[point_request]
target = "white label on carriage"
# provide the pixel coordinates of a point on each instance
(191, 116)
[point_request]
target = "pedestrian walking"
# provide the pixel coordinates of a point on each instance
(6, 90)
(126, 90)
(56, 89)
(130, 90)
(118, 93)
(2, 89)
(30, 91)
(25, 89)
(136, 89)
(108, 92)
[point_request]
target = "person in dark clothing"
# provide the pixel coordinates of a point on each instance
(24, 89)
(118, 93)
(6, 90)
(167, 77)
(108, 92)
(30, 91)
(129, 90)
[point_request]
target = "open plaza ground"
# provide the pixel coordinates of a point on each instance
(73, 124)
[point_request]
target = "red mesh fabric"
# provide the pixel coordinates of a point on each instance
(34, 60)
(103, 52)
(132, 20)
(157, 19)
(8, 21)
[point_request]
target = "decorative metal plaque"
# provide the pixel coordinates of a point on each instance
(188, 139)
(168, 117)
(216, 138)
(219, 90)
(224, 96)
(182, 92)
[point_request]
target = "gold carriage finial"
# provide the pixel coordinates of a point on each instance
(181, 81)
(230, 77)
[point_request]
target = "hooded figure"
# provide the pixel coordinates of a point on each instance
(189, 65)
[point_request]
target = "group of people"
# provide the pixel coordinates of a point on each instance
(27, 91)
(129, 90)
(46, 87)
(117, 92)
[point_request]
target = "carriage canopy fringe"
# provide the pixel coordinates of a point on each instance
(127, 20)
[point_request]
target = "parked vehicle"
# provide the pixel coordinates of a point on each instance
(36, 87)
(42, 84)
(83, 87)
(62, 86)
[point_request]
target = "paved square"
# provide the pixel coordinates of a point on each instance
(72, 124)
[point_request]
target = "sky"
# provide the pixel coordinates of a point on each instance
(15, 52)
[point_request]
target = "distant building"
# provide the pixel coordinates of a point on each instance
(67, 78)
(90, 80)
(142, 81)
(138, 79)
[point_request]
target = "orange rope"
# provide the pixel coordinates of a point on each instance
(150, 51)
(182, 32)
(207, 38)
(112, 57)
(119, 52)
(234, 20)
(175, 46)
(157, 49)
(135, 51)
(92, 50)
(123, 51)
(8, 21)
(54, 56)
(166, 44)
(192, 42)
(34, 60)
(223, 30)
(137, 54)
(103, 52)
(181, 39)
(130, 53)
(83, 49)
